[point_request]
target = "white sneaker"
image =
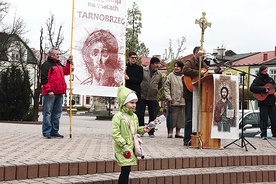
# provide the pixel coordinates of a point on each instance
(273, 138)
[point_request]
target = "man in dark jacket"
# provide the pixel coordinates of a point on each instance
(134, 76)
(53, 88)
(264, 85)
(191, 69)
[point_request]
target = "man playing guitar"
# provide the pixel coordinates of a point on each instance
(266, 105)
(191, 69)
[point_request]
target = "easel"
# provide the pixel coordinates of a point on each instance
(244, 141)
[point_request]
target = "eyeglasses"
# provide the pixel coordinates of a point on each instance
(133, 57)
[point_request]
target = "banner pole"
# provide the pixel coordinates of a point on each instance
(71, 69)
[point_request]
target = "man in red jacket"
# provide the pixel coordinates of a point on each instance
(53, 88)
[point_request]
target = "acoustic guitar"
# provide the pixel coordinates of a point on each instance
(263, 96)
(189, 81)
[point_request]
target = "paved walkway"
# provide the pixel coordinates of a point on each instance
(91, 140)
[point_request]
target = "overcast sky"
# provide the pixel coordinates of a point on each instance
(240, 25)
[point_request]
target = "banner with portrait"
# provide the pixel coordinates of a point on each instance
(98, 46)
(219, 109)
(225, 124)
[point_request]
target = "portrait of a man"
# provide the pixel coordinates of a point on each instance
(100, 56)
(224, 114)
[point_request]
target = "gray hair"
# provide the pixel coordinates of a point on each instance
(52, 50)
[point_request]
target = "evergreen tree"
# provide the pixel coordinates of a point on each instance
(14, 94)
(133, 30)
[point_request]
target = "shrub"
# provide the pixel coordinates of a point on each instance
(15, 93)
(82, 108)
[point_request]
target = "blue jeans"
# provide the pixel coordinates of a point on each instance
(52, 108)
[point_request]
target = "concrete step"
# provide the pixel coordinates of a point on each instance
(210, 175)
(32, 170)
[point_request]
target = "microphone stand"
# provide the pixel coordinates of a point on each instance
(244, 141)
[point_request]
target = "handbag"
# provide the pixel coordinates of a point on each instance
(138, 150)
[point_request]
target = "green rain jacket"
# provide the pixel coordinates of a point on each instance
(121, 134)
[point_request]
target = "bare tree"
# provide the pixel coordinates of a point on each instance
(54, 40)
(170, 55)
(4, 9)
(37, 90)
(12, 37)
(181, 48)
(12, 40)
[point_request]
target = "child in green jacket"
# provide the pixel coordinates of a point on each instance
(121, 133)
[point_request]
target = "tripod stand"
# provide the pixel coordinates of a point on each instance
(244, 141)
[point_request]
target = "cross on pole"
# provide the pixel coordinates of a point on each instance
(203, 23)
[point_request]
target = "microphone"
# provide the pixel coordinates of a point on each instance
(208, 60)
(217, 62)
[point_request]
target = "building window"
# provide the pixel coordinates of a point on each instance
(15, 56)
(76, 98)
(87, 100)
(240, 79)
(273, 74)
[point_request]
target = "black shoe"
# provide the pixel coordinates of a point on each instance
(58, 136)
(178, 136)
(187, 144)
(47, 137)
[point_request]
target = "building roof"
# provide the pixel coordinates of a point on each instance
(186, 57)
(6, 40)
(145, 61)
(255, 59)
(237, 57)
(271, 62)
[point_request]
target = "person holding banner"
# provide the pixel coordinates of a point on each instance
(100, 55)
(53, 88)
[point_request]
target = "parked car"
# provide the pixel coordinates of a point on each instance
(268, 135)
(251, 124)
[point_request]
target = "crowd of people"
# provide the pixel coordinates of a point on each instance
(142, 85)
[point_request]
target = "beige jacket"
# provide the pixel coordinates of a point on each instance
(150, 85)
(173, 89)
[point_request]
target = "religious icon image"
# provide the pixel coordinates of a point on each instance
(224, 115)
(100, 56)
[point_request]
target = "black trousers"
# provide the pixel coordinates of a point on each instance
(124, 176)
(266, 112)
(152, 104)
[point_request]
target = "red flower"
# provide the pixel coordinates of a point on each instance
(127, 154)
